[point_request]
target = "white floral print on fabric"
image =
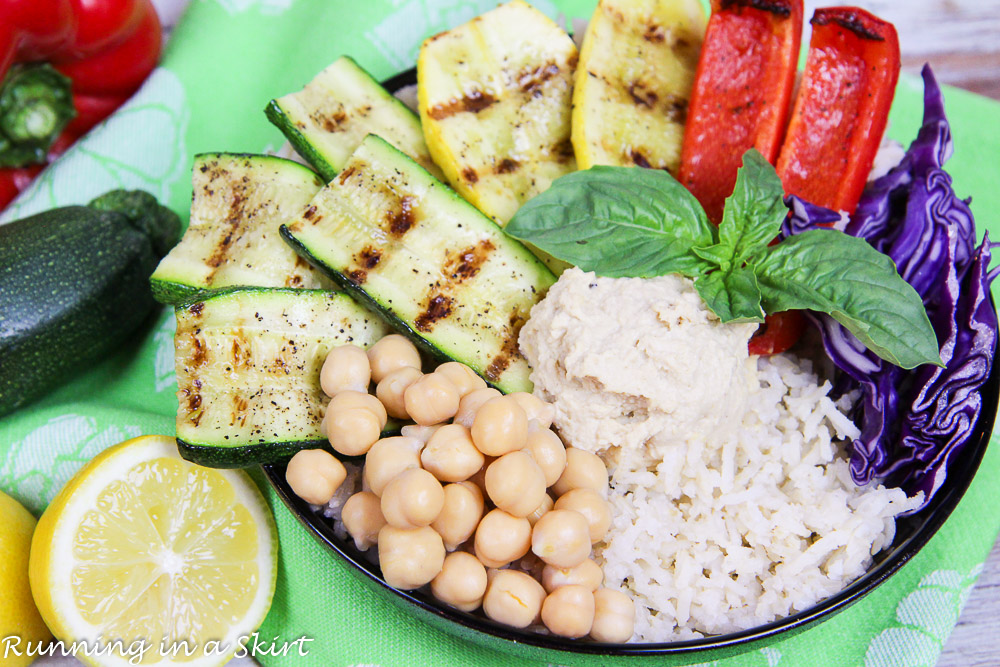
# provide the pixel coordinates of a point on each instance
(399, 35)
(139, 147)
(265, 7)
(927, 616)
(163, 359)
(34, 469)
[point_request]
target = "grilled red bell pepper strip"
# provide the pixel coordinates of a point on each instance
(836, 127)
(106, 47)
(842, 107)
(741, 95)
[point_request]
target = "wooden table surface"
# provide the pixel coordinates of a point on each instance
(961, 40)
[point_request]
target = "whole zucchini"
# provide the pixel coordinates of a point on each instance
(74, 285)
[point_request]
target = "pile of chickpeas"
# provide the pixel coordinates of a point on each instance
(478, 497)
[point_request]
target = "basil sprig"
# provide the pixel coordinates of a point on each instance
(642, 223)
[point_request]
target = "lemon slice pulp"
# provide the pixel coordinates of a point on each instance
(144, 547)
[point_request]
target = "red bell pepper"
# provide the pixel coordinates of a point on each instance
(842, 107)
(840, 114)
(741, 95)
(105, 47)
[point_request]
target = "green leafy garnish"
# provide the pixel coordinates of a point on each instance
(641, 223)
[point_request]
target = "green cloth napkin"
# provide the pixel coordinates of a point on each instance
(226, 59)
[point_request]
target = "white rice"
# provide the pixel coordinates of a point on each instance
(725, 536)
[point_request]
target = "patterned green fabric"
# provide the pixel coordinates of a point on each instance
(227, 58)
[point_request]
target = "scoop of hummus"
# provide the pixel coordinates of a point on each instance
(635, 366)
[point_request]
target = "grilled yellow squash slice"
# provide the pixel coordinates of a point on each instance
(636, 69)
(494, 97)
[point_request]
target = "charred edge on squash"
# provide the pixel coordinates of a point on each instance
(507, 166)
(346, 174)
(331, 122)
(465, 264)
(655, 33)
(438, 307)
(193, 402)
(234, 220)
(509, 350)
(474, 102)
(531, 80)
(402, 220)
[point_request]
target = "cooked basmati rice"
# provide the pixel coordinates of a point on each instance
(730, 535)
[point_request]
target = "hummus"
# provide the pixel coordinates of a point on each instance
(637, 367)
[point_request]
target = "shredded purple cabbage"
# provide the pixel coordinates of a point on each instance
(913, 424)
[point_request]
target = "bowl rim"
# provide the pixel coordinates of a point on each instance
(902, 550)
(934, 516)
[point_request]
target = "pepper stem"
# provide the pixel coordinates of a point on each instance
(35, 106)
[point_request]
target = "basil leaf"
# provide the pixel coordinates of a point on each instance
(754, 212)
(618, 221)
(828, 271)
(732, 295)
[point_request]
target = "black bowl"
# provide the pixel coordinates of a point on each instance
(912, 533)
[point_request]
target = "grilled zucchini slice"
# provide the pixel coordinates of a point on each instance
(248, 363)
(637, 67)
(232, 239)
(494, 100)
(327, 119)
(437, 269)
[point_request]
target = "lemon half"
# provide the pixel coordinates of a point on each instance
(174, 560)
(18, 616)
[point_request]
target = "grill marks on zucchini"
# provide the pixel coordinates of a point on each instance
(440, 271)
(238, 204)
(636, 70)
(248, 364)
(494, 99)
(329, 118)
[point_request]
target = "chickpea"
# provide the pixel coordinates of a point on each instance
(513, 598)
(515, 483)
(392, 353)
(502, 538)
(387, 458)
(479, 477)
(362, 517)
(464, 378)
(500, 426)
(421, 433)
(431, 399)
(409, 558)
(587, 574)
(462, 511)
(461, 582)
(561, 538)
(470, 404)
(352, 432)
(614, 616)
(568, 611)
(592, 506)
(451, 455)
(315, 475)
(535, 408)
(412, 499)
(548, 451)
(349, 399)
(345, 367)
(584, 470)
(391, 388)
(546, 505)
